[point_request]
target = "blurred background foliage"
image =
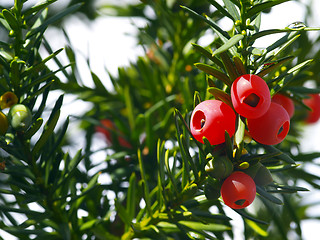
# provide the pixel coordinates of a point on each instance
(146, 103)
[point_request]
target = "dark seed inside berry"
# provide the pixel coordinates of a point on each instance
(252, 100)
(240, 202)
(203, 121)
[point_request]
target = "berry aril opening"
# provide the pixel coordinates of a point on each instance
(241, 202)
(199, 120)
(211, 119)
(283, 131)
(252, 100)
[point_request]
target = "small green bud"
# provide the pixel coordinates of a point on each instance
(237, 23)
(9, 138)
(12, 33)
(283, 69)
(244, 165)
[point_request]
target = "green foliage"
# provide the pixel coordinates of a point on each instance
(157, 169)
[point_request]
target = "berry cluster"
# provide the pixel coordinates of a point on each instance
(267, 120)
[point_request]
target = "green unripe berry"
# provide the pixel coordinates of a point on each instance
(219, 167)
(260, 174)
(263, 176)
(20, 117)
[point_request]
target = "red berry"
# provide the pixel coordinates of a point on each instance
(314, 103)
(285, 102)
(107, 129)
(272, 127)
(238, 190)
(107, 126)
(250, 96)
(210, 119)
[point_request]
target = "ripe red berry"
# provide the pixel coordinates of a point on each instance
(250, 96)
(285, 102)
(272, 127)
(238, 190)
(107, 125)
(210, 119)
(107, 129)
(314, 103)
